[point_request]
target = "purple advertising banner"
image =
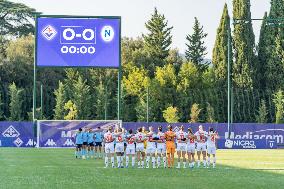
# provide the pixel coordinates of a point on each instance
(17, 134)
(243, 136)
(78, 42)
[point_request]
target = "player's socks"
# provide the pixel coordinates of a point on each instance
(184, 164)
(198, 163)
(208, 161)
(158, 161)
(178, 165)
(121, 160)
(193, 164)
(214, 162)
(112, 161)
(126, 161)
(147, 161)
(118, 161)
(106, 161)
(153, 162)
(133, 161)
(142, 163)
(204, 163)
(139, 163)
(165, 161)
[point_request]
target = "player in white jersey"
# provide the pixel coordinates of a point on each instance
(130, 149)
(201, 136)
(140, 138)
(119, 147)
(151, 147)
(211, 146)
(190, 147)
(181, 137)
(109, 147)
(161, 147)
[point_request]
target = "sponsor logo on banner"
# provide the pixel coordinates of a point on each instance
(49, 32)
(50, 142)
(31, 142)
(11, 132)
(107, 33)
(69, 142)
(18, 142)
(176, 129)
(67, 134)
(256, 136)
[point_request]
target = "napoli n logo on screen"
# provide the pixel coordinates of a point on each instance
(49, 32)
(107, 33)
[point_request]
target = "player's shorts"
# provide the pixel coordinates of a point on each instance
(170, 147)
(161, 148)
(79, 145)
(201, 147)
(139, 147)
(98, 143)
(125, 145)
(130, 150)
(85, 143)
(181, 147)
(109, 147)
(190, 148)
(150, 149)
(119, 147)
(211, 149)
(91, 144)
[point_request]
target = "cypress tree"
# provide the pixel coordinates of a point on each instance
(244, 44)
(196, 50)
(15, 106)
(220, 51)
(1, 108)
(157, 41)
(60, 98)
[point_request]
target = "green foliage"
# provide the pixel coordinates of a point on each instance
(188, 77)
(16, 19)
(220, 51)
(244, 45)
(101, 102)
(262, 113)
(278, 100)
(171, 114)
(194, 113)
(157, 40)
(60, 98)
(15, 105)
(1, 108)
(196, 50)
(210, 117)
(72, 110)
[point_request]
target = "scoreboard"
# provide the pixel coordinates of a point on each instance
(78, 42)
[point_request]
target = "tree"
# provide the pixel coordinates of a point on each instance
(210, 117)
(15, 106)
(101, 101)
(262, 113)
(278, 99)
(171, 114)
(1, 108)
(196, 50)
(220, 51)
(157, 41)
(16, 19)
(244, 45)
(194, 113)
(60, 98)
(188, 77)
(82, 98)
(72, 110)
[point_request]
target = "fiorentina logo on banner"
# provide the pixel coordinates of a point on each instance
(78, 42)
(11, 132)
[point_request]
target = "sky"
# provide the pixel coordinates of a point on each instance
(134, 13)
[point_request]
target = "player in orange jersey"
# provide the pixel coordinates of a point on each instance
(170, 145)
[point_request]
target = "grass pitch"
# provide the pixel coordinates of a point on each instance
(57, 168)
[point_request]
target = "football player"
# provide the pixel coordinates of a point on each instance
(211, 146)
(130, 149)
(140, 138)
(190, 147)
(181, 146)
(79, 143)
(170, 145)
(99, 136)
(161, 147)
(85, 142)
(201, 136)
(151, 147)
(91, 143)
(119, 147)
(109, 147)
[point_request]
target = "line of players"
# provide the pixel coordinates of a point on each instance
(158, 145)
